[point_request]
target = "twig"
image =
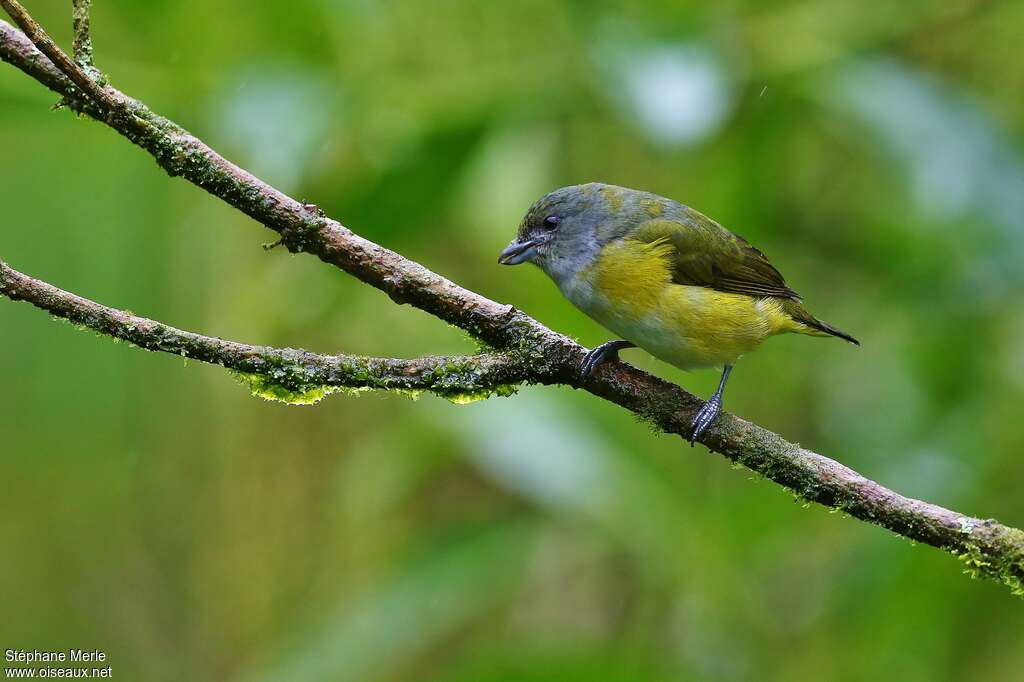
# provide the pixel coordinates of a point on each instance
(287, 373)
(45, 43)
(82, 46)
(987, 547)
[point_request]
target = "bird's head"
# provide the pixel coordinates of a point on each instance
(564, 231)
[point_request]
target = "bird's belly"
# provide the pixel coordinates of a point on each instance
(687, 326)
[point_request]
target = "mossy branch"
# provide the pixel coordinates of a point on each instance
(82, 45)
(987, 547)
(287, 374)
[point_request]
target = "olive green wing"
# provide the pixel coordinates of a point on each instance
(708, 255)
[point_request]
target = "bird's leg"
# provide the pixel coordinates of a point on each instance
(603, 353)
(706, 415)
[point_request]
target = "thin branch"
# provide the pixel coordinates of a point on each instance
(288, 373)
(82, 46)
(45, 43)
(987, 547)
(301, 227)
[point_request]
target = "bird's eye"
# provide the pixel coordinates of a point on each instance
(551, 222)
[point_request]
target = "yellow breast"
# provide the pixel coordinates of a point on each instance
(629, 290)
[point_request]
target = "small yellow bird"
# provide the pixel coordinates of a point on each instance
(663, 277)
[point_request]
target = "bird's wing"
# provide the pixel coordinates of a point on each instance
(708, 255)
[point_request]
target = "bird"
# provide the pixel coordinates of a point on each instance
(663, 277)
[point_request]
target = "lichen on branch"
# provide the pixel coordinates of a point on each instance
(82, 45)
(285, 374)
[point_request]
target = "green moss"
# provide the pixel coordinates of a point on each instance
(462, 397)
(410, 393)
(1005, 567)
(264, 387)
(271, 388)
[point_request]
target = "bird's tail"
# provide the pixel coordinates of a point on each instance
(809, 324)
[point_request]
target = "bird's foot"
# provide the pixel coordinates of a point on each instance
(705, 417)
(603, 353)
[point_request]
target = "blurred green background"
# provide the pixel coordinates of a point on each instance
(153, 509)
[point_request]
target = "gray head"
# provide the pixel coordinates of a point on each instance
(564, 231)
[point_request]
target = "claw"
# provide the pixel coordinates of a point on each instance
(704, 418)
(590, 363)
(601, 354)
(710, 410)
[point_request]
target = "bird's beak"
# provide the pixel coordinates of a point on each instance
(517, 252)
